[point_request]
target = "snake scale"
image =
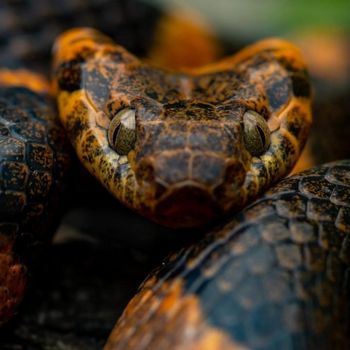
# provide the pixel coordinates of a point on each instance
(275, 277)
(186, 149)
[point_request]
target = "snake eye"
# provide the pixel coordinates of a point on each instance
(122, 131)
(256, 133)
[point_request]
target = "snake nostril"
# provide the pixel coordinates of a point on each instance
(147, 178)
(145, 172)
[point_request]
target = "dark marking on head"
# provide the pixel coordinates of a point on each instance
(69, 72)
(152, 94)
(97, 86)
(288, 65)
(69, 75)
(75, 127)
(278, 92)
(301, 85)
(175, 106)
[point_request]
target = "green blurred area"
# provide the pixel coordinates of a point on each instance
(252, 19)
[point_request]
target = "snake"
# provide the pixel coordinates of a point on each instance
(187, 149)
(182, 148)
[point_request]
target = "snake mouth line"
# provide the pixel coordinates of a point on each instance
(186, 204)
(182, 184)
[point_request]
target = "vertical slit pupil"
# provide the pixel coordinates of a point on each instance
(115, 134)
(262, 135)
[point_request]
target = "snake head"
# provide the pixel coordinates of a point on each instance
(183, 148)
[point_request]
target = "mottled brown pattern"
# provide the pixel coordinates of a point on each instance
(33, 162)
(185, 323)
(189, 164)
(274, 277)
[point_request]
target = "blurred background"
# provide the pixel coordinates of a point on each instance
(101, 251)
(251, 19)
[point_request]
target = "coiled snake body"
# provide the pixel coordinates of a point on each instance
(184, 149)
(275, 277)
(33, 162)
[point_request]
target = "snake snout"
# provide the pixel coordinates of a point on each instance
(183, 189)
